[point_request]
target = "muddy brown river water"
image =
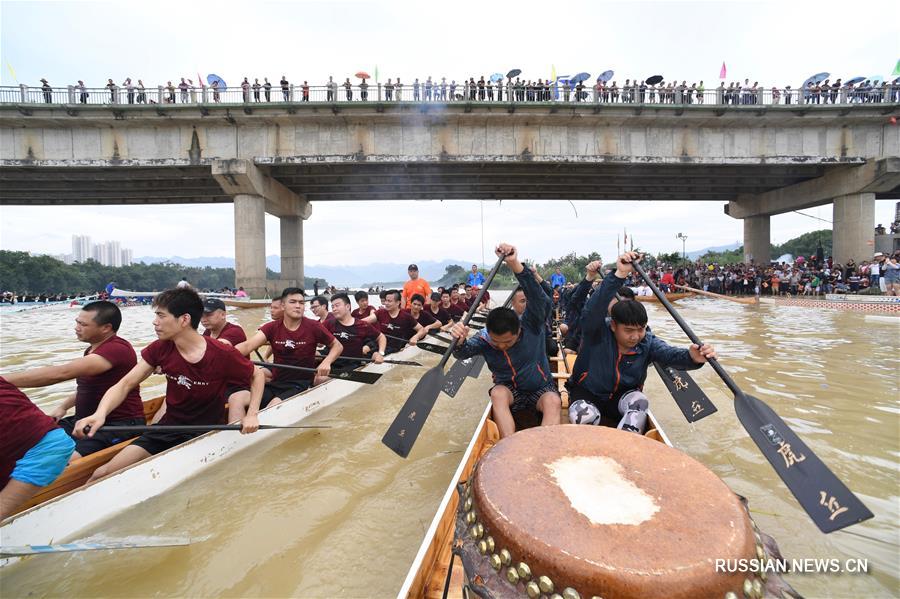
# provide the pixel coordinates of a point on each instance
(333, 513)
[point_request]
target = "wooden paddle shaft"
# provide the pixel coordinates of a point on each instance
(738, 300)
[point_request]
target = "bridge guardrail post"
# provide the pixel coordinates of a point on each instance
(291, 93)
(203, 97)
(159, 94)
(23, 93)
(71, 90)
(379, 92)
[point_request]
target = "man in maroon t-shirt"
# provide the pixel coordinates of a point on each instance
(217, 326)
(33, 450)
(397, 325)
(319, 307)
(455, 310)
(104, 363)
(437, 310)
(293, 340)
(420, 314)
(364, 311)
(200, 373)
(357, 337)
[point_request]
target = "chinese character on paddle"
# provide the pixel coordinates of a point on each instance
(679, 383)
(790, 458)
(832, 504)
(696, 408)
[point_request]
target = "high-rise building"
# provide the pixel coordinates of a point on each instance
(127, 257)
(81, 248)
(113, 254)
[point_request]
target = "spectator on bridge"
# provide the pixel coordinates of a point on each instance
(215, 89)
(112, 90)
(415, 86)
(83, 94)
(398, 87)
(349, 89)
(142, 95)
(171, 89)
(268, 89)
(245, 91)
(389, 90)
(256, 85)
(183, 87)
(129, 89)
(285, 88)
(305, 91)
(47, 91)
(363, 91)
(330, 89)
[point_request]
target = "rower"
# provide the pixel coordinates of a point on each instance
(364, 311)
(422, 316)
(395, 322)
(455, 311)
(201, 374)
(217, 326)
(575, 305)
(469, 295)
(319, 306)
(609, 373)
(105, 361)
(33, 449)
(293, 340)
(437, 310)
(515, 352)
(459, 306)
(413, 286)
(276, 312)
(357, 337)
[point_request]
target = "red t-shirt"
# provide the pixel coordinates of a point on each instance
(231, 333)
(353, 337)
(328, 318)
(441, 314)
(195, 393)
(425, 317)
(359, 315)
(24, 424)
(90, 390)
(403, 325)
(456, 311)
(295, 348)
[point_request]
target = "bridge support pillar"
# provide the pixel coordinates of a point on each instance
(292, 251)
(250, 243)
(854, 227)
(757, 246)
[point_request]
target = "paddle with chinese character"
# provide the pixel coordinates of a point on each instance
(404, 430)
(827, 500)
(691, 399)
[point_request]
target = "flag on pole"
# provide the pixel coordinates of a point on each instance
(722, 71)
(625, 241)
(896, 69)
(376, 73)
(12, 72)
(200, 80)
(618, 245)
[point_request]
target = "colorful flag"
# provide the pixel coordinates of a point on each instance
(625, 241)
(376, 73)
(12, 72)
(896, 69)
(618, 245)
(200, 80)
(722, 71)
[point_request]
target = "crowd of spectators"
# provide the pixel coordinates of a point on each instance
(500, 90)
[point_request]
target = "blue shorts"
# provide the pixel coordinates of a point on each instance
(44, 462)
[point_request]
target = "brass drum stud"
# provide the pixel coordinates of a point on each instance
(490, 543)
(748, 588)
(482, 547)
(556, 596)
(512, 576)
(495, 562)
(533, 590)
(471, 517)
(468, 504)
(473, 532)
(545, 584)
(570, 593)
(757, 589)
(479, 528)
(505, 557)
(760, 552)
(524, 571)
(731, 595)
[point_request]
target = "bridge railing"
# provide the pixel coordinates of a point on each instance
(449, 93)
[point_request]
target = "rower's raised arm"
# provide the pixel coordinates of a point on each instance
(89, 365)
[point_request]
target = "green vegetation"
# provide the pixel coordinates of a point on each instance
(23, 273)
(805, 245)
(571, 265)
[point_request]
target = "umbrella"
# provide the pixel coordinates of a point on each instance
(497, 77)
(654, 80)
(581, 77)
(363, 75)
(855, 80)
(817, 78)
(219, 81)
(605, 76)
(514, 73)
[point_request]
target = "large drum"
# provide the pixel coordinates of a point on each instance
(584, 511)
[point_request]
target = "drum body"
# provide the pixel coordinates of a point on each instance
(584, 511)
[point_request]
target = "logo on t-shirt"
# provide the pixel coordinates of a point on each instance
(391, 327)
(185, 381)
(343, 335)
(290, 343)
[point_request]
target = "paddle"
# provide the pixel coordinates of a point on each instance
(433, 348)
(738, 300)
(356, 376)
(829, 502)
(188, 428)
(17, 551)
(404, 430)
(689, 397)
(398, 362)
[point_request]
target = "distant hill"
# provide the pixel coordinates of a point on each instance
(719, 248)
(342, 276)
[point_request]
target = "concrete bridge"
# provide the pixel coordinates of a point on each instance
(279, 158)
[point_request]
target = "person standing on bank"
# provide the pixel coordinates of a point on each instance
(413, 286)
(515, 352)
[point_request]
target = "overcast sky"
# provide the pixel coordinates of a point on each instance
(772, 42)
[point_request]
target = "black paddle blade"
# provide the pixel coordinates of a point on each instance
(404, 430)
(454, 378)
(356, 376)
(432, 347)
(691, 399)
(830, 504)
(477, 365)
(437, 335)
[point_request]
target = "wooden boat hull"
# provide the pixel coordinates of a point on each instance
(247, 303)
(672, 297)
(58, 519)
